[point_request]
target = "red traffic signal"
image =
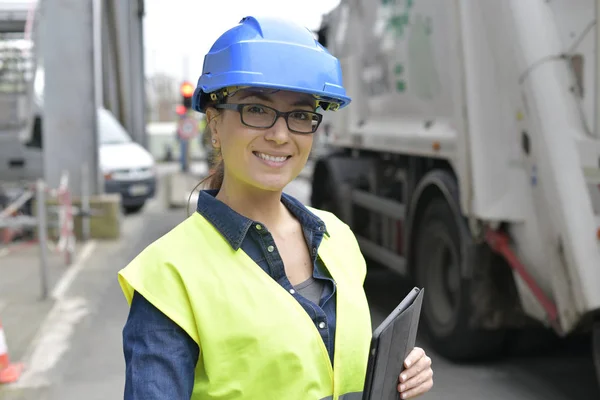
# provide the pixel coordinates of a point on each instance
(180, 110)
(186, 89)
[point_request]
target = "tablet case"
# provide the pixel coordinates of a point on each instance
(392, 341)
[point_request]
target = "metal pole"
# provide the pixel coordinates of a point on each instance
(97, 39)
(42, 235)
(70, 138)
(597, 72)
(85, 203)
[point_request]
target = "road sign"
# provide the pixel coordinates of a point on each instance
(187, 128)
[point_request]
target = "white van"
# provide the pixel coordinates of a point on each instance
(128, 168)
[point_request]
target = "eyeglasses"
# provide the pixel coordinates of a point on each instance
(264, 117)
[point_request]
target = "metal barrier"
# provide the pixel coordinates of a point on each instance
(65, 211)
(25, 221)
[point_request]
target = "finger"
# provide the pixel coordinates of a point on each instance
(421, 365)
(416, 354)
(419, 390)
(416, 381)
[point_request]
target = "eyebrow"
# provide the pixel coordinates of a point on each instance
(263, 97)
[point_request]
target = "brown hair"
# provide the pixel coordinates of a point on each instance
(215, 163)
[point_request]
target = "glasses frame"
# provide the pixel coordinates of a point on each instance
(240, 107)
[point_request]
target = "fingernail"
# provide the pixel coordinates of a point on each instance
(407, 362)
(402, 387)
(403, 395)
(403, 377)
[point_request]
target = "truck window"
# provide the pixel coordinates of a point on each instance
(36, 134)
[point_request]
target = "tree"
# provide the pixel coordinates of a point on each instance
(163, 96)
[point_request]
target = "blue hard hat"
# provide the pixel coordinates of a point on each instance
(271, 54)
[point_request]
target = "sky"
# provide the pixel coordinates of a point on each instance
(178, 33)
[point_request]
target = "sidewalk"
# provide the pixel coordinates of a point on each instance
(22, 308)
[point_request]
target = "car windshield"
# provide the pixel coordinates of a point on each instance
(110, 131)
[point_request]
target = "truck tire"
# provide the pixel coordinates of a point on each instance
(325, 191)
(447, 306)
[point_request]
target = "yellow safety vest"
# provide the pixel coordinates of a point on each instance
(256, 340)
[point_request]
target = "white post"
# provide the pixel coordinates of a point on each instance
(42, 235)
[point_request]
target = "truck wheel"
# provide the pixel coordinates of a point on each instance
(447, 303)
(325, 192)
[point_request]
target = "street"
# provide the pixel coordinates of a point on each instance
(92, 366)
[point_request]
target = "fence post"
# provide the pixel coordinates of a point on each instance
(42, 235)
(66, 241)
(85, 203)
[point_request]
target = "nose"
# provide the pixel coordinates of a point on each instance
(279, 133)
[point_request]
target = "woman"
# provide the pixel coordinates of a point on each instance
(256, 296)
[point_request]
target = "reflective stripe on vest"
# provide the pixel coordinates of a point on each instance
(255, 339)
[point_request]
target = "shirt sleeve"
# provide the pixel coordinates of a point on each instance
(160, 357)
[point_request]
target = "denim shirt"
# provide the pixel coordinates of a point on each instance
(160, 356)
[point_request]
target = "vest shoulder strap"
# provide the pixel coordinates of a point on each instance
(155, 274)
(340, 237)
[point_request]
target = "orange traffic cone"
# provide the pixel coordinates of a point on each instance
(9, 373)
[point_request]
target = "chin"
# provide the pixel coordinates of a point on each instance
(272, 183)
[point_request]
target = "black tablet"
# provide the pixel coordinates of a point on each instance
(392, 341)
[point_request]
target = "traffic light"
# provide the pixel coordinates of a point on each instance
(187, 90)
(180, 110)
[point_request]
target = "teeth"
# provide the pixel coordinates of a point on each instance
(271, 158)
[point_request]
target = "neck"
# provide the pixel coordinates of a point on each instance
(259, 205)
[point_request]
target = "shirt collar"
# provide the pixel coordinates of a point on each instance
(234, 226)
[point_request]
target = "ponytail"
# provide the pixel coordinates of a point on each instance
(216, 168)
(215, 179)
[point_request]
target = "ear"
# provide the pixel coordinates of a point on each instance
(212, 122)
(211, 117)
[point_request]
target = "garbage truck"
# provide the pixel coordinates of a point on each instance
(469, 160)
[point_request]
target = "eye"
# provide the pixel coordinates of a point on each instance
(256, 109)
(301, 115)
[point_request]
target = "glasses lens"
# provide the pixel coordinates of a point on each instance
(258, 116)
(303, 121)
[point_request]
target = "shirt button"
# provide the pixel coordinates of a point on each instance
(322, 325)
(292, 291)
(258, 227)
(270, 249)
(321, 228)
(314, 251)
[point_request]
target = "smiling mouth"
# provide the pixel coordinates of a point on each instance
(270, 158)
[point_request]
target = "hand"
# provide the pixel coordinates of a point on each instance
(417, 378)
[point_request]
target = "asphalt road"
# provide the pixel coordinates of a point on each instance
(92, 367)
